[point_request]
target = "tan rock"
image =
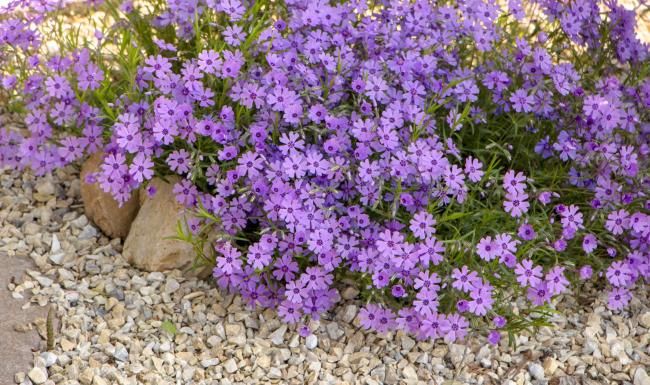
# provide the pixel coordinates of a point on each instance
(101, 208)
(146, 246)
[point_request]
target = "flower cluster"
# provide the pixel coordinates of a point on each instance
(444, 157)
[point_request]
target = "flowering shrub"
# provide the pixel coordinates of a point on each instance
(462, 163)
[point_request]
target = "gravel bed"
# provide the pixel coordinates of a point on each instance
(118, 325)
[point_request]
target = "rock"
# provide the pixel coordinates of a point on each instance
(104, 337)
(311, 341)
(121, 354)
(349, 313)
(644, 320)
(407, 343)
(101, 208)
(536, 371)
(56, 258)
(277, 337)
(88, 232)
(86, 377)
(146, 247)
(409, 372)
(230, 366)
(44, 281)
(37, 375)
(213, 341)
(67, 345)
(350, 293)
(46, 187)
(210, 362)
(274, 373)
(49, 358)
(99, 381)
(56, 245)
(550, 365)
(333, 331)
(641, 377)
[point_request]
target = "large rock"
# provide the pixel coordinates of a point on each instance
(101, 208)
(145, 246)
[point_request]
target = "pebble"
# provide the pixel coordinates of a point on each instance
(550, 366)
(644, 320)
(311, 341)
(277, 337)
(49, 358)
(641, 377)
(121, 354)
(210, 362)
(230, 366)
(536, 371)
(37, 375)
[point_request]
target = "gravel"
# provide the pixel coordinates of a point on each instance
(119, 325)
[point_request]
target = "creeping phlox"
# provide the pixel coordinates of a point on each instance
(459, 161)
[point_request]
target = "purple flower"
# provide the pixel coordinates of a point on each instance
(487, 249)
(179, 161)
(142, 168)
(499, 322)
(516, 204)
(422, 225)
(586, 272)
(589, 243)
(526, 232)
(494, 337)
(618, 298)
(473, 169)
(454, 327)
(481, 301)
(617, 221)
(398, 291)
(619, 274)
(556, 281)
(521, 101)
(230, 259)
(539, 294)
(464, 279)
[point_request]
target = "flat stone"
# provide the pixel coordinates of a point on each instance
(37, 375)
(67, 345)
(121, 354)
(311, 341)
(230, 366)
(644, 320)
(641, 376)
(210, 362)
(536, 371)
(550, 365)
(49, 358)
(277, 337)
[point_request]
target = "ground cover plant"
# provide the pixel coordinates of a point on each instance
(462, 162)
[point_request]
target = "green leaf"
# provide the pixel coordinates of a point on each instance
(169, 327)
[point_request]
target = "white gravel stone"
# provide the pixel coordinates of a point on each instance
(641, 376)
(37, 375)
(49, 358)
(536, 371)
(644, 320)
(230, 365)
(311, 341)
(277, 337)
(121, 354)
